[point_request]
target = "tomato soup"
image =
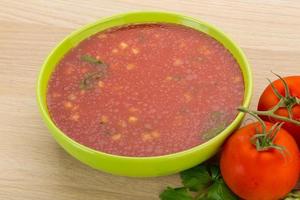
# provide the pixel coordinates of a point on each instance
(145, 90)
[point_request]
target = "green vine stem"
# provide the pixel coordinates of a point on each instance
(271, 113)
(264, 139)
(252, 113)
(287, 101)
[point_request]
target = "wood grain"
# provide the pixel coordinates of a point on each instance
(32, 165)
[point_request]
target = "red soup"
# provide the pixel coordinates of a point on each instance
(145, 90)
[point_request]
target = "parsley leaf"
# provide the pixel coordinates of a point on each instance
(203, 182)
(210, 133)
(196, 178)
(175, 194)
(219, 119)
(220, 191)
(293, 195)
(89, 78)
(214, 172)
(92, 60)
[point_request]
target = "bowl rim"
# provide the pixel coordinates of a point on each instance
(247, 77)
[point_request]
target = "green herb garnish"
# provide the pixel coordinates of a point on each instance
(92, 60)
(203, 182)
(216, 118)
(141, 38)
(176, 194)
(196, 179)
(90, 78)
(210, 133)
(293, 195)
(218, 191)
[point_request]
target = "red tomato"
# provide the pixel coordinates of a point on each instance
(259, 175)
(268, 100)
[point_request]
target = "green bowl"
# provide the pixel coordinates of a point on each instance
(140, 166)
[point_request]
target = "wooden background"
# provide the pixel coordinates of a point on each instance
(32, 165)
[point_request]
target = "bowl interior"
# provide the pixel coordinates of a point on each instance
(130, 18)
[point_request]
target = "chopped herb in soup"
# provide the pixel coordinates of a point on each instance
(145, 90)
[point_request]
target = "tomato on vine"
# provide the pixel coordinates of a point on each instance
(260, 163)
(280, 101)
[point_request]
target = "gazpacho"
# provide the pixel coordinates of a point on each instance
(145, 90)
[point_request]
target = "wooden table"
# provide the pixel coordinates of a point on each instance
(32, 165)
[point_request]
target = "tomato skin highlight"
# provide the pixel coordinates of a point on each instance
(268, 100)
(259, 175)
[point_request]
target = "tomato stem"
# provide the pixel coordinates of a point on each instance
(288, 101)
(271, 114)
(278, 95)
(286, 87)
(252, 113)
(264, 139)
